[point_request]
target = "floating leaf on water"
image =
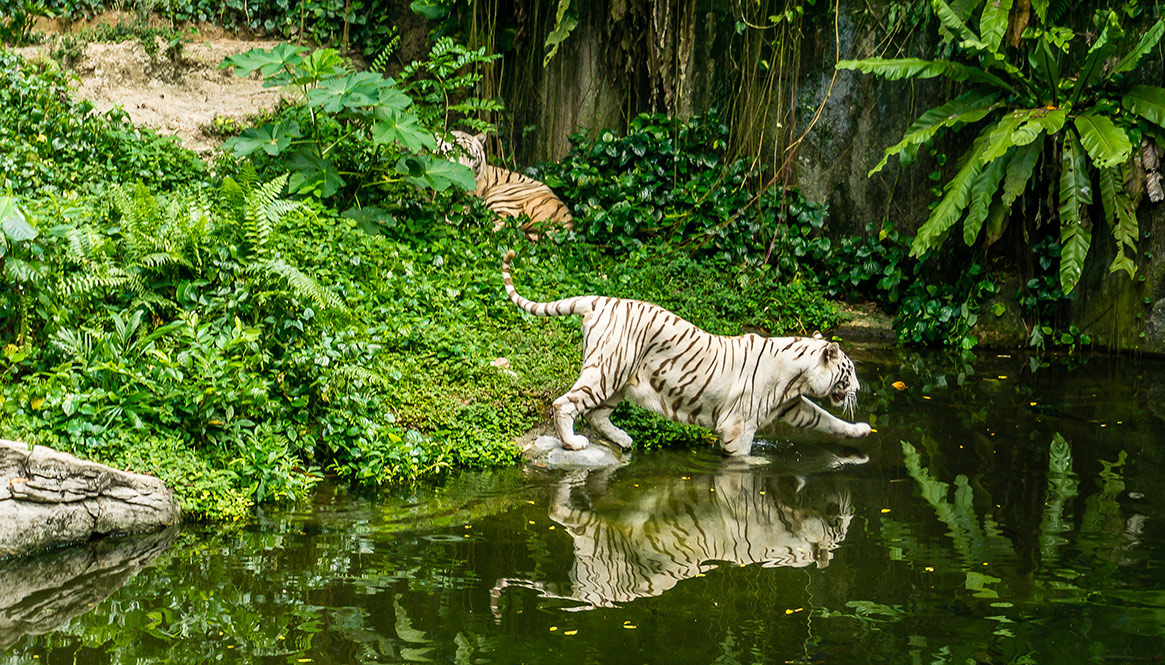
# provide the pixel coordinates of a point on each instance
(899, 385)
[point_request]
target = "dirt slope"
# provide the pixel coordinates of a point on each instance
(174, 96)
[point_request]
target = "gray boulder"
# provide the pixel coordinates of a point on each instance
(50, 498)
(547, 452)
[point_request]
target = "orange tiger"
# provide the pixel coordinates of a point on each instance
(732, 385)
(505, 192)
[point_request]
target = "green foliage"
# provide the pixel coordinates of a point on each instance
(50, 144)
(17, 19)
(350, 128)
(668, 181)
(1022, 99)
(444, 84)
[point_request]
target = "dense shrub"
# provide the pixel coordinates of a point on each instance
(51, 144)
(668, 181)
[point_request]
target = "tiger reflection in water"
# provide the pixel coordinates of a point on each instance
(684, 527)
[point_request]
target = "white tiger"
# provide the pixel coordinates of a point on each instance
(644, 544)
(731, 385)
(505, 192)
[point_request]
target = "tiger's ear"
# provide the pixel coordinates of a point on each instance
(831, 352)
(480, 138)
(817, 334)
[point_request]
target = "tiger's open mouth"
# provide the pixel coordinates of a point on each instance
(847, 399)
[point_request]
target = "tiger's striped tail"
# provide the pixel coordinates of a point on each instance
(564, 307)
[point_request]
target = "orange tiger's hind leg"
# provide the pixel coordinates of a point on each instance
(582, 398)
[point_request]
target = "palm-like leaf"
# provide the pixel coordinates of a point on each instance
(993, 22)
(1075, 194)
(967, 108)
(982, 194)
(1146, 44)
(955, 199)
(893, 69)
(952, 22)
(1147, 101)
(1107, 144)
(1122, 219)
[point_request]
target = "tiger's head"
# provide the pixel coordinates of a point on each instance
(467, 148)
(835, 377)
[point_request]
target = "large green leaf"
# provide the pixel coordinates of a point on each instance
(1019, 171)
(391, 97)
(310, 173)
(1020, 168)
(967, 108)
(266, 61)
(319, 64)
(430, 9)
(1146, 44)
(1122, 219)
(993, 22)
(435, 173)
(354, 91)
(401, 127)
(954, 201)
(565, 21)
(1038, 122)
(1002, 135)
(1107, 144)
(982, 194)
(952, 22)
(893, 69)
(13, 222)
(272, 138)
(1075, 194)
(1147, 101)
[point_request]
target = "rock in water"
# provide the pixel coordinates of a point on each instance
(49, 498)
(548, 452)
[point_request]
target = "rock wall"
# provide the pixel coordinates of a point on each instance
(49, 498)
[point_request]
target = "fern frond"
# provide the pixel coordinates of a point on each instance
(302, 285)
(90, 284)
(263, 208)
(347, 374)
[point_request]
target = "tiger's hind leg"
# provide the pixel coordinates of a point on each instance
(600, 419)
(584, 397)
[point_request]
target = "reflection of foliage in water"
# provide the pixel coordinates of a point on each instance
(1007, 617)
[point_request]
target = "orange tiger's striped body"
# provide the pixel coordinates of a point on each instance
(505, 192)
(732, 385)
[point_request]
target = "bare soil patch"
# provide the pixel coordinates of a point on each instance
(176, 96)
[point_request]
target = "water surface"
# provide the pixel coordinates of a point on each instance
(1003, 512)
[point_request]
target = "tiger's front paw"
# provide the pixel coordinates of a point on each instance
(575, 442)
(858, 430)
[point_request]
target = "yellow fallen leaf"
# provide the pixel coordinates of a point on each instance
(553, 628)
(885, 510)
(899, 385)
(570, 632)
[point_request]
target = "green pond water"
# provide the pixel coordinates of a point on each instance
(1003, 512)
